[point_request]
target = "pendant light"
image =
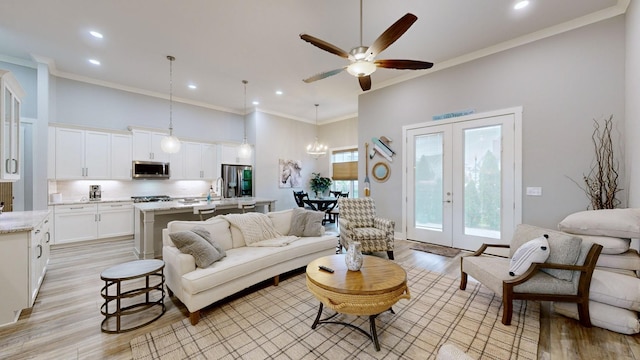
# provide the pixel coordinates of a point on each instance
(170, 144)
(244, 151)
(317, 149)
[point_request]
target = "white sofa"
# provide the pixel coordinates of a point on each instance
(242, 267)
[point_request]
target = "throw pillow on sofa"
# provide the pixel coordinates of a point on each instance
(536, 250)
(189, 242)
(205, 234)
(306, 222)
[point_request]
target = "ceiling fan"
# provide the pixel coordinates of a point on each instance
(362, 58)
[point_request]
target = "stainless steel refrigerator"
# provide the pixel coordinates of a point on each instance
(237, 180)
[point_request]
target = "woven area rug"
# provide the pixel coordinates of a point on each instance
(436, 249)
(275, 323)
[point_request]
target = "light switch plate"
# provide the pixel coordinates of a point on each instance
(534, 191)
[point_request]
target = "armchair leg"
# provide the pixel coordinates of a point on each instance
(507, 311)
(583, 314)
(390, 254)
(463, 281)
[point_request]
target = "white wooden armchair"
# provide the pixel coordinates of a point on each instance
(358, 222)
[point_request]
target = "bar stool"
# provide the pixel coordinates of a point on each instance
(246, 205)
(202, 210)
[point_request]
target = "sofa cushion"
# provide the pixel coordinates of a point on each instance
(195, 245)
(622, 223)
(629, 260)
(536, 250)
(253, 226)
(205, 234)
(216, 226)
(605, 316)
(610, 245)
(281, 220)
(563, 248)
(306, 222)
(615, 289)
(242, 261)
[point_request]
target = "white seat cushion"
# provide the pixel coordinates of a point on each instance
(629, 260)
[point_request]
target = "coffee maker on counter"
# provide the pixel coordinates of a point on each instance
(95, 194)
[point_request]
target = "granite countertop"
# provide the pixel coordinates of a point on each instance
(178, 205)
(18, 221)
(80, 201)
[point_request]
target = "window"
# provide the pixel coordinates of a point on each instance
(344, 166)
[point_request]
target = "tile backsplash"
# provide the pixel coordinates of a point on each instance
(75, 190)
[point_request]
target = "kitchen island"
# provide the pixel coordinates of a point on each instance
(152, 217)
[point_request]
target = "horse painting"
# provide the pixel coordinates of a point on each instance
(290, 173)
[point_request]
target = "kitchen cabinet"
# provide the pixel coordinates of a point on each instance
(24, 256)
(82, 154)
(177, 165)
(200, 161)
(90, 221)
(146, 146)
(229, 155)
(11, 94)
(51, 153)
(121, 157)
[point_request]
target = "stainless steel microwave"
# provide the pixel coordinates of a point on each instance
(150, 170)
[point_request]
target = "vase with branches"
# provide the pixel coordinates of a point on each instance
(601, 183)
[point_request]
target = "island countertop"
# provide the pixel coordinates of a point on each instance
(18, 221)
(229, 203)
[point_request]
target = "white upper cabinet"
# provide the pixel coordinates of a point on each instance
(51, 154)
(229, 155)
(199, 161)
(82, 154)
(146, 146)
(121, 156)
(11, 94)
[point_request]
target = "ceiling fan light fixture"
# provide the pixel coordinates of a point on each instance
(361, 68)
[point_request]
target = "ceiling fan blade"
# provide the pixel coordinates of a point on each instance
(324, 45)
(392, 34)
(365, 82)
(403, 64)
(323, 75)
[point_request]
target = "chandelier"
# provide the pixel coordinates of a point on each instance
(317, 149)
(170, 144)
(244, 151)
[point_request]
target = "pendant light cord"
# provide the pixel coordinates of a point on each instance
(244, 115)
(171, 59)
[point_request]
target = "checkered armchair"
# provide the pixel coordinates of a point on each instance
(358, 222)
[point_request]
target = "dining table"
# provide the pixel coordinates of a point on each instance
(323, 204)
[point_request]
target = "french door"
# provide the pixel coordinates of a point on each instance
(462, 180)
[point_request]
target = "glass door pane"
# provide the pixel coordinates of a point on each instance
(482, 181)
(428, 183)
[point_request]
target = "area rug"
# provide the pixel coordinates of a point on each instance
(436, 249)
(275, 323)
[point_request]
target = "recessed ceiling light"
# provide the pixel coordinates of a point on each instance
(521, 4)
(94, 61)
(192, 86)
(278, 92)
(256, 103)
(96, 34)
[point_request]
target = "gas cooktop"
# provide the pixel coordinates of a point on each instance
(150, 198)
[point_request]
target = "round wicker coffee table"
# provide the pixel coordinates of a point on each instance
(374, 289)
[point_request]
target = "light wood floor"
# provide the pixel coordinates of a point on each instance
(65, 320)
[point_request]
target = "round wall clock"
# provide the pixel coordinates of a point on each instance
(380, 172)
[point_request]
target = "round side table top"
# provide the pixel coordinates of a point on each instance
(132, 269)
(376, 276)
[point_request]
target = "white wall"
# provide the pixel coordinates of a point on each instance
(632, 105)
(562, 82)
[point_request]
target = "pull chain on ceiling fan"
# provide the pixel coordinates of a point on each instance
(362, 58)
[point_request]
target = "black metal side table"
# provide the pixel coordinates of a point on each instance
(130, 300)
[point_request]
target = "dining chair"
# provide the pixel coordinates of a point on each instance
(300, 196)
